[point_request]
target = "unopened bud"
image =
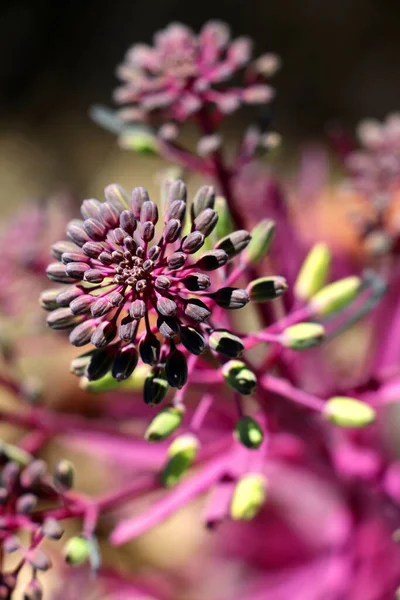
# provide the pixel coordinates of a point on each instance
(249, 496)
(224, 224)
(77, 550)
(64, 474)
(261, 240)
(335, 296)
(165, 423)
(313, 273)
(142, 142)
(348, 412)
(52, 529)
(231, 298)
(266, 288)
(108, 383)
(181, 455)
(155, 389)
(234, 243)
(33, 590)
(239, 377)
(302, 336)
(226, 343)
(205, 198)
(249, 433)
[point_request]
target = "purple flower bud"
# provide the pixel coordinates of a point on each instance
(154, 390)
(176, 191)
(147, 231)
(192, 339)
(138, 197)
(100, 364)
(149, 212)
(103, 334)
(234, 243)
(82, 304)
(198, 311)
(176, 210)
(127, 222)
(106, 258)
(93, 276)
(95, 229)
(117, 236)
(176, 260)
(197, 281)
(193, 242)
(154, 252)
(58, 249)
(93, 249)
(62, 318)
(64, 474)
(90, 209)
(33, 473)
(56, 272)
(128, 329)
(211, 260)
(77, 257)
(26, 503)
(172, 230)
(82, 334)
(65, 297)
(168, 326)
(205, 198)
(52, 529)
(76, 270)
(109, 215)
(39, 560)
(125, 363)
(176, 369)
(48, 299)
(116, 299)
(149, 348)
(206, 221)
(166, 307)
(162, 283)
(231, 298)
(137, 309)
(100, 307)
(116, 195)
(76, 232)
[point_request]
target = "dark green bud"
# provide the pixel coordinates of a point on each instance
(303, 336)
(165, 423)
(226, 343)
(193, 340)
(155, 389)
(176, 369)
(266, 288)
(239, 377)
(249, 433)
(261, 240)
(181, 455)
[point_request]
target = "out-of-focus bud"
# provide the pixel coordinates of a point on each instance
(348, 412)
(155, 389)
(224, 224)
(204, 198)
(226, 343)
(139, 140)
(47, 299)
(26, 503)
(15, 454)
(52, 529)
(181, 455)
(64, 474)
(33, 590)
(302, 336)
(165, 423)
(249, 496)
(266, 288)
(77, 550)
(79, 364)
(109, 384)
(11, 544)
(239, 377)
(261, 240)
(335, 296)
(231, 298)
(313, 273)
(249, 433)
(176, 370)
(38, 559)
(234, 243)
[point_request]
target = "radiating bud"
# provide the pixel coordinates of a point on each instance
(147, 231)
(211, 260)
(226, 343)
(66, 296)
(33, 473)
(166, 307)
(193, 242)
(15, 454)
(94, 276)
(149, 212)
(56, 272)
(266, 288)
(79, 364)
(93, 249)
(335, 296)
(234, 243)
(348, 412)
(76, 232)
(26, 503)
(125, 363)
(313, 273)
(193, 340)
(176, 191)
(116, 195)
(181, 454)
(239, 377)
(64, 474)
(249, 433)
(168, 326)
(197, 281)
(204, 198)
(100, 307)
(75, 257)
(104, 334)
(109, 215)
(52, 529)
(260, 243)
(177, 211)
(303, 336)
(108, 383)
(209, 144)
(81, 305)
(231, 298)
(62, 318)
(155, 389)
(138, 197)
(172, 230)
(33, 591)
(162, 283)
(99, 364)
(11, 544)
(39, 560)
(163, 424)
(58, 249)
(249, 496)
(176, 369)
(48, 299)
(176, 260)
(149, 348)
(127, 222)
(137, 309)
(198, 311)
(206, 221)
(77, 551)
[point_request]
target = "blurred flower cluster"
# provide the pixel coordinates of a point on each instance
(230, 356)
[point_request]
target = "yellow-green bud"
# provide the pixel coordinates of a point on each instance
(249, 433)
(77, 550)
(139, 141)
(163, 424)
(248, 497)
(109, 384)
(266, 288)
(335, 296)
(348, 412)
(302, 336)
(261, 240)
(15, 454)
(226, 343)
(239, 377)
(313, 273)
(181, 453)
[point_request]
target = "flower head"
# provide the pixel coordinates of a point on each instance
(179, 74)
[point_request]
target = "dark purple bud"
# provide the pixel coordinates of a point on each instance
(155, 389)
(130, 244)
(9, 475)
(82, 304)
(231, 298)
(65, 297)
(147, 231)
(166, 307)
(137, 309)
(90, 209)
(106, 258)
(77, 256)
(192, 340)
(226, 343)
(204, 198)
(234, 243)
(39, 560)
(95, 229)
(33, 591)
(33, 473)
(109, 215)
(94, 276)
(149, 348)
(76, 232)
(116, 195)
(162, 283)
(127, 222)
(93, 249)
(76, 270)
(197, 282)
(138, 197)
(62, 318)
(128, 329)
(176, 260)
(116, 299)
(117, 236)
(125, 363)
(198, 311)
(176, 191)
(177, 211)
(58, 249)
(206, 221)
(56, 272)
(211, 260)
(11, 544)
(100, 307)
(154, 252)
(172, 230)
(149, 212)
(79, 364)
(82, 334)
(148, 265)
(52, 529)
(176, 369)
(193, 242)
(64, 475)
(48, 299)
(26, 503)
(103, 334)
(168, 326)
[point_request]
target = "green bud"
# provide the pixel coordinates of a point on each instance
(266, 288)
(335, 296)
(15, 454)
(313, 273)
(226, 343)
(108, 383)
(77, 550)
(181, 453)
(239, 377)
(155, 389)
(249, 433)
(249, 496)
(303, 336)
(163, 424)
(234, 243)
(348, 412)
(139, 141)
(224, 224)
(261, 240)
